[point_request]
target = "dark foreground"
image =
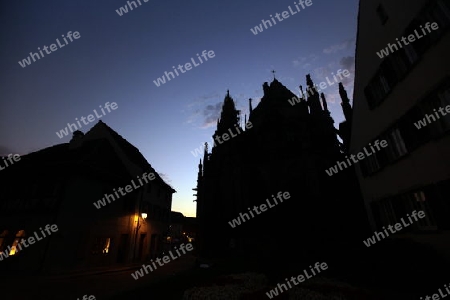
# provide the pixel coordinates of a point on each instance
(392, 270)
(389, 270)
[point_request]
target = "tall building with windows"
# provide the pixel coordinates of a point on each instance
(402, 95)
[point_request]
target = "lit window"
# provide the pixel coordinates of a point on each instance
(106, 248)
(20, 234)
(101, 245)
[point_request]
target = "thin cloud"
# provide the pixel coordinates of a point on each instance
(348, 62)
(211, 114)
(339, 47)
(304, 61)
(196, 109)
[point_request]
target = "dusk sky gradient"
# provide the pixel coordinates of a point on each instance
(117, 58)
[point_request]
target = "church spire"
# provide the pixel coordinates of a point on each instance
(346, 108)
(301, 91)
(324, 102)
(313, 96)
(205, 153)
(309, 82)
(229, 117)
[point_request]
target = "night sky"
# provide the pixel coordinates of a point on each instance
(117, 58)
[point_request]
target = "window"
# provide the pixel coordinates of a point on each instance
(399, 63)
(439, 13)
(370, 96)
(379, 87)
(382, 154)
(411, 54)
(389, 74)
(444, 100)
(392, 210)
(411, 136)
(430, 116)
(421, 44)
(441, 207)
(369, 165)
(387, 212)
(396, 146)
(375, 208)
(417, 201)
(381, 12)
(396, 66)
(101, 245)
(15, 247)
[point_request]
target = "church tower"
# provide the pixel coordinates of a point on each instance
(229, 118)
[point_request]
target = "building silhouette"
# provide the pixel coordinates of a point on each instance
(60, 184)
(396, 89)
(280, 148)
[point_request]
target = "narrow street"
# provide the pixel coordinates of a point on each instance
(102, 286)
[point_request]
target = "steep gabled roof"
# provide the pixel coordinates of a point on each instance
(133, 154)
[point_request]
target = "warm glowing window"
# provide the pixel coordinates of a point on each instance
(106, 247)
(20, 234)
(101, 245)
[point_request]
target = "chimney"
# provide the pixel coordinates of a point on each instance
(77, 139)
